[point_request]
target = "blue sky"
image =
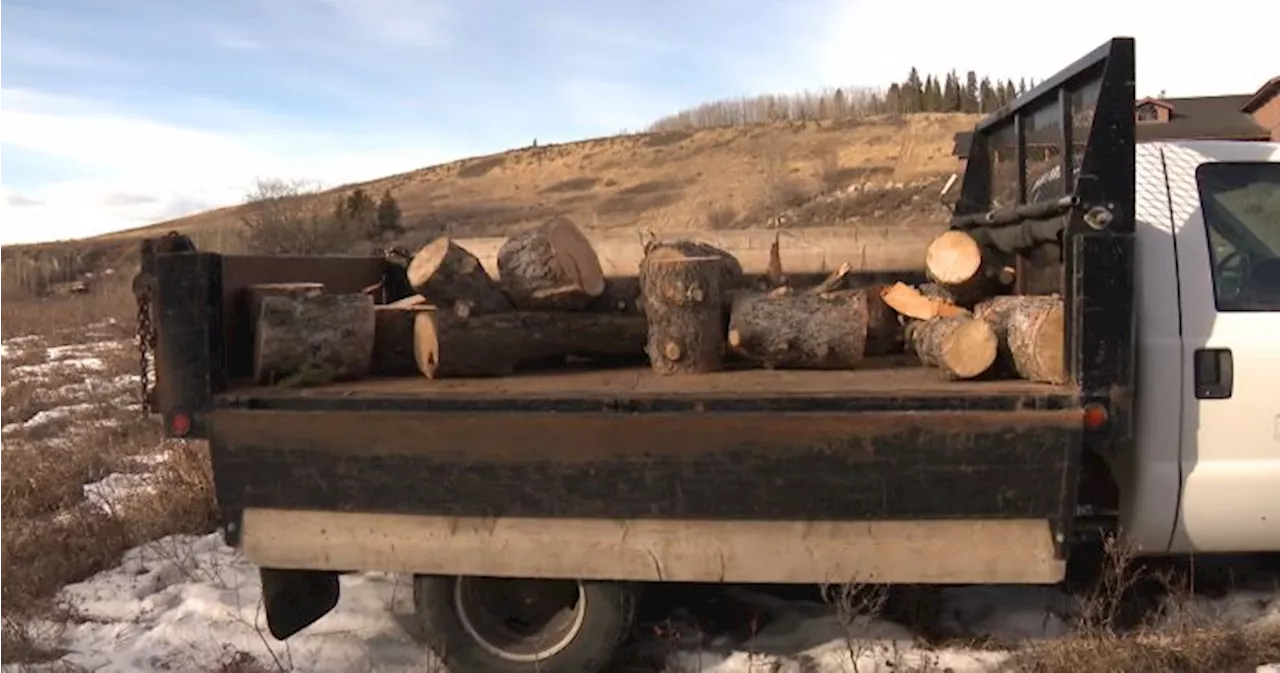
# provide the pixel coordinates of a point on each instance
(117, 113)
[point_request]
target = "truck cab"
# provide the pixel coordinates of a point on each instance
(580, 487)
(1201, 475)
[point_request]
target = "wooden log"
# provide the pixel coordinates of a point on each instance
(1032, 334)
(254, 294)
(496, 344)
(311, 340)
(966, 270)
(922, 303)
(731, 276)
(393, 338)
(552, 267)
(684, 308)
(961, 347)
(452, 278)
(805, 330)
(815, 251)
(621, 296)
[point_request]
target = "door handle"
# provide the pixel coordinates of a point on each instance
(1214, 367)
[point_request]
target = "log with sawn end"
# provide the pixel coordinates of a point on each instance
(254, 294)
(448, 346)
(684, 306)
(303, 341)
(965, 269)
(806, 330)
(393, 337)
(731, 274)
(960, 346)
(1032, 334)
(450, 277)
(552, 267)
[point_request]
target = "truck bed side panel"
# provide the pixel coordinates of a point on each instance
(762, 466)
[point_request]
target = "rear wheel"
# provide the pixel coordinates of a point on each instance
(499, 625)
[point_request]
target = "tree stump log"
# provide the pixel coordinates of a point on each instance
(960, 347)
(452, 278)
(964, 269)
(254, 294)
(802, 330)
(313, 340)
(552, 267)
(684, 306)
(1032, 334)
(393, 338)
(731, 274)
(446, 346)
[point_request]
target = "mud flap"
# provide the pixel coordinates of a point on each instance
(295, 599)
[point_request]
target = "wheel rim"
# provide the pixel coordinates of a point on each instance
(520, 619)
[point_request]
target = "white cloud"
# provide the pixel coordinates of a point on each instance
(168, 170)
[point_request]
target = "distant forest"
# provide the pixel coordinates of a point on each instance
(949, 93)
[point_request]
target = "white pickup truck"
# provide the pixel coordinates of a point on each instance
(531, 509)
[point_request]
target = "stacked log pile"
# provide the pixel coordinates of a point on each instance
(690, 308)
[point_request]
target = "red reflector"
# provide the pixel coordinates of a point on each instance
(1095, 417)
(180, 424)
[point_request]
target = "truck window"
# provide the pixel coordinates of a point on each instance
(1241, 204)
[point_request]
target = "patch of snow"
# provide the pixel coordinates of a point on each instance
(43, 370)
(49, 416)
(182, 603)
(109, 491)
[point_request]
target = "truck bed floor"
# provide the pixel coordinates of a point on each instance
(885, 378)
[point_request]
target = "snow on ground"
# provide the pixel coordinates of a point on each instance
(191, 603)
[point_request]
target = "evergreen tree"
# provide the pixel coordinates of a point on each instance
(893, 99)
(388, 215)
(986, 96)
(970, 94)
(839, 104)
(952, 99)
(913, 92)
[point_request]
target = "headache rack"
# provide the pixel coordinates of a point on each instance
(1071, 236)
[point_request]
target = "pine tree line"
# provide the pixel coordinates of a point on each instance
(948, 93)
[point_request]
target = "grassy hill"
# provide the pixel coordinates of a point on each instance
(872, 170)
(728, 177)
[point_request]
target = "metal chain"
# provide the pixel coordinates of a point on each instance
(146, 337)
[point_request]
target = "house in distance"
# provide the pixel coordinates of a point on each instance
(1253, 116)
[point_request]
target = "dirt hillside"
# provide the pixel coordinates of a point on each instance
(818, 173)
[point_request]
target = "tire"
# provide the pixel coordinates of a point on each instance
(469, 639)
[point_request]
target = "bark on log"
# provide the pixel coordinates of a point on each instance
(961, 347)
(393, 338)
(312, 340)
(447, 346)
(793, 330)
(254, 294)
(621, 296)
(684, 306)
(964, 268)
(1032, 334)
(452, 278)
(552, 267)
(815, 251)
(731, 276)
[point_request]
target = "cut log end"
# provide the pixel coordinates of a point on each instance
(448, 275)
(1031, 329)
(953, 258)
(552, 267)
(577, 258)
(960, 347)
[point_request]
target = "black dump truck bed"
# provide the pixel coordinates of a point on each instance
(889, 441)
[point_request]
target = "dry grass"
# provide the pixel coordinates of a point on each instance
(53, 532)
(659, 181)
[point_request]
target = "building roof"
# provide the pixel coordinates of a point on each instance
(1205, 117)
